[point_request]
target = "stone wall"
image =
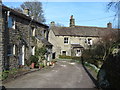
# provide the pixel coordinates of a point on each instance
(1, 39)
(109, 74)
(19, 36)
(59, 46)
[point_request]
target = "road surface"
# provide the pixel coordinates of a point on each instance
(63, 75)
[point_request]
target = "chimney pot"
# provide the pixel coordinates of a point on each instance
(26, 11)
(52, 24)
(109, 25)
(72, 21)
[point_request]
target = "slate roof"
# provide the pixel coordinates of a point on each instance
(46, 42)
(76, 46)
(82, 31)
(21, 15)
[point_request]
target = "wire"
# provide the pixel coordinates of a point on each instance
(85, 20)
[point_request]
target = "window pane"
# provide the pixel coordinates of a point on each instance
(10, 50)
(65, 40)
(63, 52)
(10, 22)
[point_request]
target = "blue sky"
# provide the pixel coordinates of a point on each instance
(85, 13)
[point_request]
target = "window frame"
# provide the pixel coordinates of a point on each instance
(64, 53)
(33, 31)
(66, 40)
(9, 50)
(11, 22)
(89, 41)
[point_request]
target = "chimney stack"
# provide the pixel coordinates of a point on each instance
(72, 21)
(26, 11)
(109, 25)
(52, 24)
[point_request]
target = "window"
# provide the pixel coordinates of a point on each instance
(89, 41)
(63, 52)
(14, 47)
(45, 33)
(11, 22)
(78, 51)
(33, 50)
(9, 50)
(66, 40)
(33, 31)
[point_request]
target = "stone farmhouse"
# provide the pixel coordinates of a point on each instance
(72, 40)
(20, 36)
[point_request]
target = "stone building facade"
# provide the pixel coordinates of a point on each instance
(72, 40)
(21, 36)
(1, 45)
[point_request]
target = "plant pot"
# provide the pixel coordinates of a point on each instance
(40, 67)
(53, 63)
(50, 63)
(33, 65)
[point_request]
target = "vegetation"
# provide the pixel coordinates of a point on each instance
(11, 73)
(40, 52)
(69, 57)
(35, 9)
(34, 59)
(65, 57)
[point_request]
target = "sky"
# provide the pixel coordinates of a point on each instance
(84, 13)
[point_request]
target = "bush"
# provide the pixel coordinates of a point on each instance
(76, 58)
(65, 57)
(4, 75)
(34, 59)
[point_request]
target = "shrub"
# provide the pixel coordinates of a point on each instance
(5, 74)
(76, 58)
(34, 59)
(65, 57)
(41, 52)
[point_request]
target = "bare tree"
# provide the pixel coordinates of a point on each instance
(115, 6)
(108, 41)
(35, 9)
(17, 9)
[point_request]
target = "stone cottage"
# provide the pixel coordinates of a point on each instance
(20, 36)
(72, 40)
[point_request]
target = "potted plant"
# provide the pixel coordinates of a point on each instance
(34, 60)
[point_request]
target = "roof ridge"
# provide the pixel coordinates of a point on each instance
(92, 27)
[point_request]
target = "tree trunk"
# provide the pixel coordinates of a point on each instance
(104, 55)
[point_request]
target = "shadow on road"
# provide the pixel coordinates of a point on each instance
(89, 74)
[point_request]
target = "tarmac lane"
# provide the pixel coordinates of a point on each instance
(63, 75)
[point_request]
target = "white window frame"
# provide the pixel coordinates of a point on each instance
(10, 50)
(66, 40)
(63, 51)
(89, 41)
(14, 48)
(11, 22)
(33, 50)
(34, 32)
